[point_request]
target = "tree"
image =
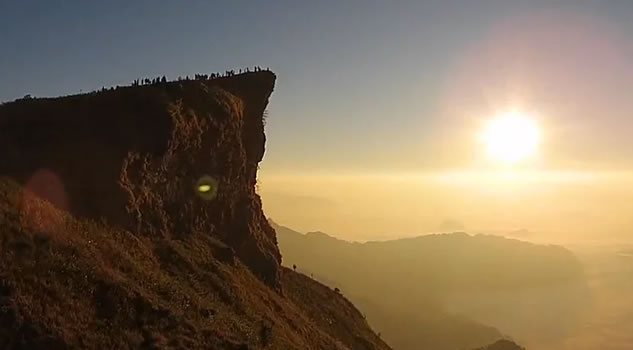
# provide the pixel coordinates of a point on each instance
(294, 267)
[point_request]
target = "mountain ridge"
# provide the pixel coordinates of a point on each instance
(402, 284)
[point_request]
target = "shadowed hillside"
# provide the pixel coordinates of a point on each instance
(129, 249)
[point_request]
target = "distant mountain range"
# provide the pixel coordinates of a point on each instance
(401, 284)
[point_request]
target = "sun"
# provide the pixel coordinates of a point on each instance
(511, 137)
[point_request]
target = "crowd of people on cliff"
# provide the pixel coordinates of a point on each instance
(228, 73)
(163, 79)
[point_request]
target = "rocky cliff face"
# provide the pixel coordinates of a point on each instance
(133, 157)
(129, 220)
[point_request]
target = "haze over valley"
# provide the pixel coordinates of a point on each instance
(422, 289)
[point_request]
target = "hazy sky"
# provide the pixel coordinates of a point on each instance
(365, 88)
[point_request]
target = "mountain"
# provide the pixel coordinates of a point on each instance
(130, 220)
(502, 344)
(404, 285)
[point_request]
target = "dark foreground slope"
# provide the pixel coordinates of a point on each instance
(70, 283)
(123, 253)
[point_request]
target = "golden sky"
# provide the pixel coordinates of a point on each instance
(569, 72)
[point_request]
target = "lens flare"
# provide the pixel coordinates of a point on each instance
(204, 188)
(207, 187)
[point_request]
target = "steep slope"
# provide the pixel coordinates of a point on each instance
(404, 285)
(132, 156)
(123, 253)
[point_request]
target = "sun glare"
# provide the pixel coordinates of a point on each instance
(511, 137)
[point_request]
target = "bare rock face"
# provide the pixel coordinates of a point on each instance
(134, 157)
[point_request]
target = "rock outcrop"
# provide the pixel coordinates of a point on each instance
(133, 156)
(129, 220)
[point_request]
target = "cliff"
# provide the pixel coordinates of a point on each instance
(129, 219)
(133, 156)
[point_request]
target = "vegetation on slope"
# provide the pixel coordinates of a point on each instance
(69, 283)
(105, 245)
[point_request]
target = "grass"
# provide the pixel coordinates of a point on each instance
(76, 283)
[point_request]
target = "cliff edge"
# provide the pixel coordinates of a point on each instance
(133, 157)
(130, 220)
